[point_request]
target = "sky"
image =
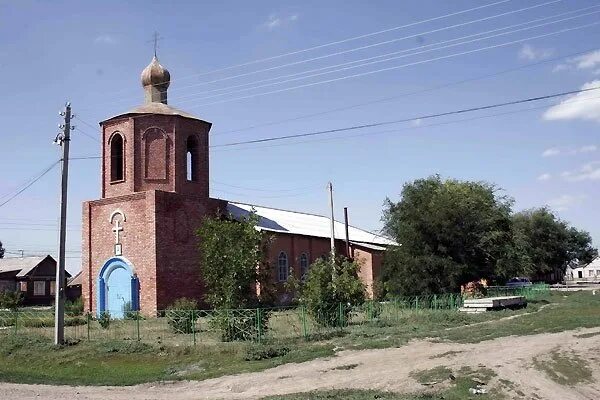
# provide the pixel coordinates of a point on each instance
(272, 68)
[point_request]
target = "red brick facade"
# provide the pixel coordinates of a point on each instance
(146, 177)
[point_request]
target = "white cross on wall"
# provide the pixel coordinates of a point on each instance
(117, 229)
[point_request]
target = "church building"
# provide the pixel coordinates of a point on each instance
(139, 248)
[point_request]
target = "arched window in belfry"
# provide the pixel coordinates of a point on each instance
(192, 158)
(117, 163)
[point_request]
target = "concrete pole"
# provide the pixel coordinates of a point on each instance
(330, 187)
(347, 233)
(59, 303)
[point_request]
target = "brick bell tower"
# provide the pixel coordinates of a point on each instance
(139, 247)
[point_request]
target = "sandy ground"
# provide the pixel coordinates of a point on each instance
(387, 369)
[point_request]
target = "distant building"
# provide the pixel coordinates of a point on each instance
(589, 273)
(34, 277)
(139, 248)
(74, 287)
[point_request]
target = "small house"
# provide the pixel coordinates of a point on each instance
(584, 273)
(34, 277)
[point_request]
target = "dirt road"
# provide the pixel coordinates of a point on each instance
(388, 369)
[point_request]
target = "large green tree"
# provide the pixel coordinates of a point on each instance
(550, 243)
(233, 262)
(451, 232)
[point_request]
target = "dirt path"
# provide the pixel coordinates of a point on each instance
(386, 369)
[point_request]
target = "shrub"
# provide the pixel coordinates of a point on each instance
(124, 347)
(131, 314)
(74, 307)
(259, 352)
(241, 324)
(182, 315)
(10, 300)
(104, 319)
(47, 321)
(330, 291)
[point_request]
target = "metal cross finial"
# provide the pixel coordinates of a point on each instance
(156, 37)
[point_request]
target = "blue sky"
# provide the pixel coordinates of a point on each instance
(92, 54)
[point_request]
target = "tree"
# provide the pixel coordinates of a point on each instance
(1, 250)
(328, 285)
(550, 243)
(233, 262)
(451, 232)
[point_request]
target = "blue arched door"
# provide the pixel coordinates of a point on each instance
(117, 288)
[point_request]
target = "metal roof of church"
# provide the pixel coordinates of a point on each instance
(24, 264)
(156, 108)
(284, 221)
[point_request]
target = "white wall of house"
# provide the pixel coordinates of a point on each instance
(589, 272)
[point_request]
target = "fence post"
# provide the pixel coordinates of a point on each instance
(340, 315)
(137, 325)
(16, 321)
(303, 316)
(194, 326)
(259, 324)
(435, 303)
(417, 303)
(88, 318)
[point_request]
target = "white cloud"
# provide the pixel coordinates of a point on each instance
(530, 53)
(588, 149)
(566, 201)
(551, 152)
(276, 21)
(584, 105)
(544, 177)
(555, 151)
(588, 172)
(105, 39)
(416, 122)
(587, 61)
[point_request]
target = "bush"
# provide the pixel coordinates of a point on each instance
(124, 347)
(241, 324)
(131, 314)
(331, 290)
(104, 319)
(182, 315)
(74, 307)
(10, 300)
(48, 321)
(263, 352)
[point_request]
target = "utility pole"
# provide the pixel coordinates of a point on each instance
(347, 233)
(62, 139)
(330, 187)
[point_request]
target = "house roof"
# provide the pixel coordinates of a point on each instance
(284, 221)
(156, 108)
(24, 265)
(76, 280)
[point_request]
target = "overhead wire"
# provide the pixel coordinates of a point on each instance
(363, 62)
(29, 184)
(405, 94)
(336, 42)
(396, 67)
(419, 117)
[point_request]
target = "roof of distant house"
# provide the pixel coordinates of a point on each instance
(22, 264)
(284, 221)
(76, 280)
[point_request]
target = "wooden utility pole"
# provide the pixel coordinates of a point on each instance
(347, 233)
(62, 140)
(330, 187)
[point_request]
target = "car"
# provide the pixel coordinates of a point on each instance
(518, 282)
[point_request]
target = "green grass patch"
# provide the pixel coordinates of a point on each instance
(346, 367)
(588, 335)
(433, 375)
(564, 368)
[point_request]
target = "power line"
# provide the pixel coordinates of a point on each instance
(348, 65)
(28, 185)
(387, 99)
(412, 36)
(263, 190)
(270, 58)
(529, 109)
(396, 67)
(420, 117)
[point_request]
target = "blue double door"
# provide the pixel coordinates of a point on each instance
(118, 288)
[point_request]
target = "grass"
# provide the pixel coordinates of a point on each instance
(564, 368)
(127, 362)
(428, 376)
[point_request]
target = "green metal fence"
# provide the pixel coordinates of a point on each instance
(191, 327)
